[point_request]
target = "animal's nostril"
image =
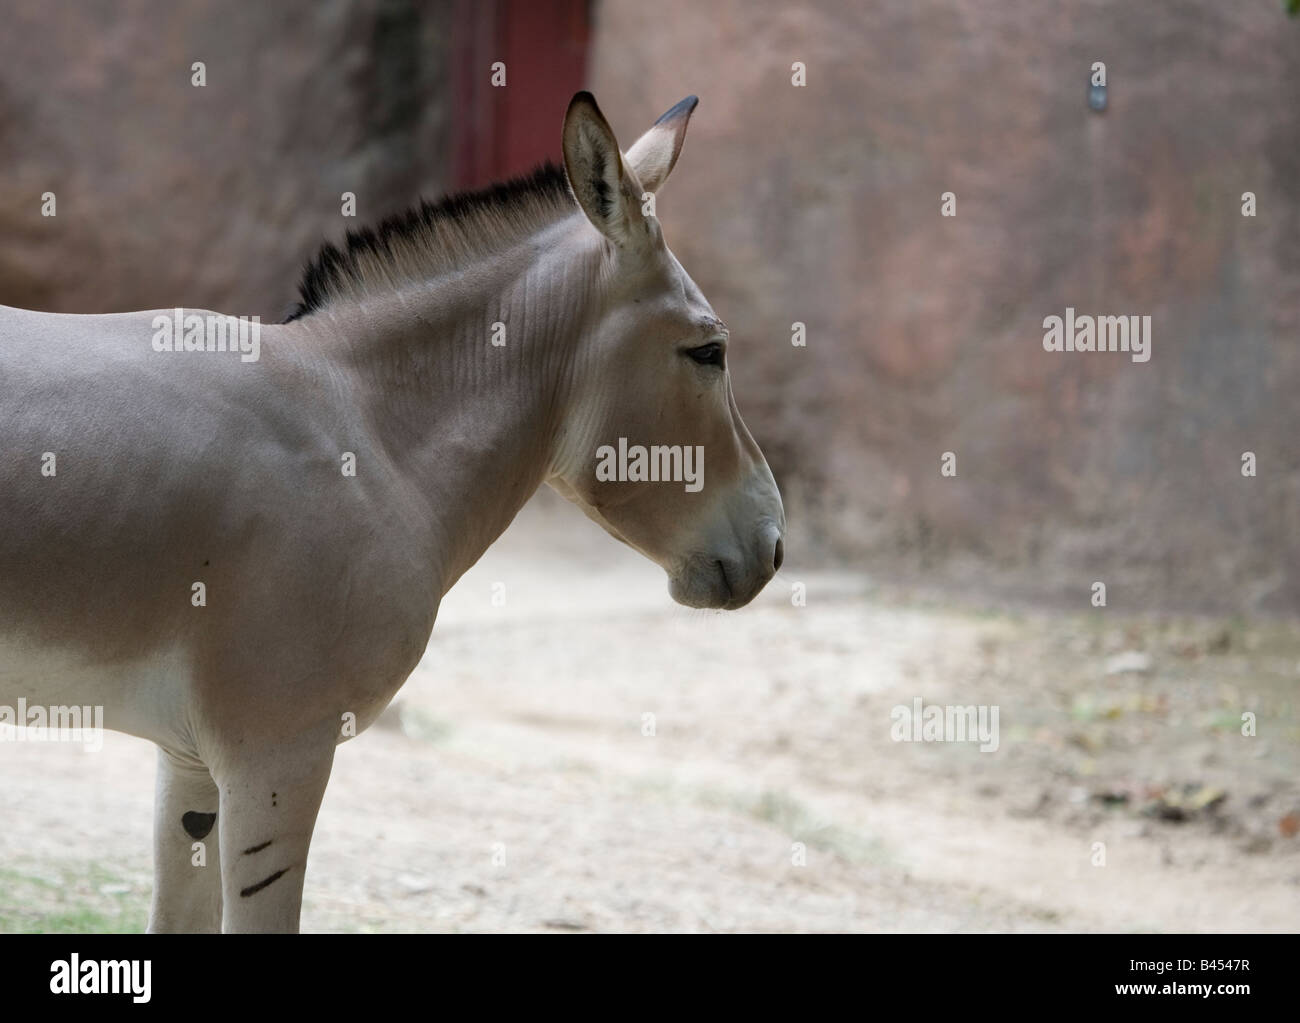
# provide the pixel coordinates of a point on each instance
(778, 555)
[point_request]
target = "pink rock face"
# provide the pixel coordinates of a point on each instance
(210, 196)
(822, 204)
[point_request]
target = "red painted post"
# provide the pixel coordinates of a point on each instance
(502, 131)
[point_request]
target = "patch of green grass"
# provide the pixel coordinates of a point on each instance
(787, 814)
(791, 816)
(68, 900)
(1222, 721)
(778, 809)
(424, 727)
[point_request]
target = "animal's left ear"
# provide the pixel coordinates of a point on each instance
(652, 155)
(608, 191)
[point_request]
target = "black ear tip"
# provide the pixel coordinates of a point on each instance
(584, 101)
(682, 109)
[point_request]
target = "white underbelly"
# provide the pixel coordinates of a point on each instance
(144, 697)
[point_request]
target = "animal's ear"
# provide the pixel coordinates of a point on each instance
(608, 192)
(652, 155)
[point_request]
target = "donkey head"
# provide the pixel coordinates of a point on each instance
(653, 446)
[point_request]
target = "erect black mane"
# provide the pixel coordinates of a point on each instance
(432, 234)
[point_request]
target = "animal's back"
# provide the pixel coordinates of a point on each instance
(122, 474)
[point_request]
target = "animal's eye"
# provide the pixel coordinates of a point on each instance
(707, 355)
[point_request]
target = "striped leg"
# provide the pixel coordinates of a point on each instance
(269, 801)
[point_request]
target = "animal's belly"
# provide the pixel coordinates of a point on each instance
(53, 686)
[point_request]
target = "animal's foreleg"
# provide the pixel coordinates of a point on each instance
(269, 801)
(186, 860)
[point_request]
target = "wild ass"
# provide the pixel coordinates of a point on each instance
(327, 495)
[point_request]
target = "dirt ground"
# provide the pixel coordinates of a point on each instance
(513, 785)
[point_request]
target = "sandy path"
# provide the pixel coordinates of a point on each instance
(520, 738)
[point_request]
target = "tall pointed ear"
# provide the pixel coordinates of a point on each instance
(608, 192)
(654, 153)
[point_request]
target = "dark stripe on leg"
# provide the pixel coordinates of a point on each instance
(258, 848)
(254, 889)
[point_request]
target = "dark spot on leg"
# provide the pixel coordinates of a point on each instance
(258, 848)
(197, 825)
(253, 889)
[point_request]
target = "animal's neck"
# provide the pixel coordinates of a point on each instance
(465, 382)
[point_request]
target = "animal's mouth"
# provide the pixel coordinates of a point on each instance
(711, 583)
(722, 570)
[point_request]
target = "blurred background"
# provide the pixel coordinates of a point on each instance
(821, 205)
(817, 204)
